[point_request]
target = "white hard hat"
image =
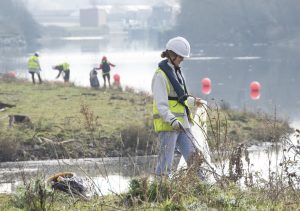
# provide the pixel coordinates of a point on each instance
(180, 46)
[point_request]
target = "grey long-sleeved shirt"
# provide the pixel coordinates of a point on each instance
(160, 95)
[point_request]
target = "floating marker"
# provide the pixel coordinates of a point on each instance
(10, 74)
(255, 90)
(117, 77)
(206, 86)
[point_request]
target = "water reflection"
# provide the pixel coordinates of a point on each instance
(111, 184)
(109, 174)
(205, 58)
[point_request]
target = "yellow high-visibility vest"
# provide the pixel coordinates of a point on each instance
(33, 63)
(66, 67)
(175, 107)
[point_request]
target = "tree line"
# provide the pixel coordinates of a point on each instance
(239, 21)
(16, 21)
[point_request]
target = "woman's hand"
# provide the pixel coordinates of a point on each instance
(199, 102)
(195, 101)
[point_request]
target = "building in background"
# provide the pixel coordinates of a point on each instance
(69, 10)
(137, 18)
(93, 17)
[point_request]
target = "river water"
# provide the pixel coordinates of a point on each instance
(109, 174)
(231, 69)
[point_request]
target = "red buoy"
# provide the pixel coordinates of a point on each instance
(11, 75)
(206, 86)
(117, 77)
(255, 90)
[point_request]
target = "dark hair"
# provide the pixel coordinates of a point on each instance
(168, 54)
(163, 54)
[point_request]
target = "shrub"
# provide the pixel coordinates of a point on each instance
(35, 195)
(159, 191)
(8, 150)
(141, 190)
(138, 140)
(170, 205)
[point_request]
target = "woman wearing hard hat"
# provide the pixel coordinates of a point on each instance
(171, 114)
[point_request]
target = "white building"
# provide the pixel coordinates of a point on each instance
(93, 17)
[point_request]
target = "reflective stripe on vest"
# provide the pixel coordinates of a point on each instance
(175, 107)
(33, 63)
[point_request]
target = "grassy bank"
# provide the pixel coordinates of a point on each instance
(76, 121)
(72, 122)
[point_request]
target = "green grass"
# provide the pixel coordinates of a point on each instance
(61, 112)
(93, 123)
(56, 103)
